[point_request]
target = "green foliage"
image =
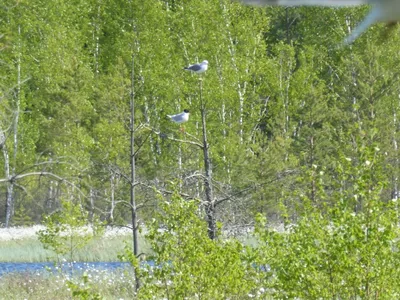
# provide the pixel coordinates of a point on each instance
(109, 285)
(100, 248)
(293, 122)
(68, 230)
(22, 218)
(340, 252)
(84, 293)
(187, 264)
(294, 125)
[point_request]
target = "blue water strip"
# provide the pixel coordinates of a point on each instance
(68, 267)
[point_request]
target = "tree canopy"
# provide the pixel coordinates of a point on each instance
(282, 100)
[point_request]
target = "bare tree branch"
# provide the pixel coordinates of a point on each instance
(194, 175)
(278, 177)
(49, 174)
(167, 192)
(20, 176)
(195, 143)
(45, 163)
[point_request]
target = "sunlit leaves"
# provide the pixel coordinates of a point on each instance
(187, 262)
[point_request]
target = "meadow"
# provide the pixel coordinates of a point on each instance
(110, 285)
(22, 245)
(343, 255)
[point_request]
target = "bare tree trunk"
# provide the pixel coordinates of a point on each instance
(313, 191)
(132, 183)
(9, 188)
(241, 87)
(10, 169)
(91, 199)
(285, 75)
(395, 179)
(50, 196)
(210, 204)
(9, 203)
(96, 21)
(112, 196)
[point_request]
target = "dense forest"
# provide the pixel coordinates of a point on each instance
(284, 112)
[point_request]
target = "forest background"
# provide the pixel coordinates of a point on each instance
(283, 106)
(288, 128)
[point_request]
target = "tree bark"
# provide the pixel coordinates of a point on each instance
(132, 181)
(10, 169)
(9, 187)
(209, 203)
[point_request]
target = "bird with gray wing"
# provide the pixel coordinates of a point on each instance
(386, 11)
(198, 68)
(180, 118)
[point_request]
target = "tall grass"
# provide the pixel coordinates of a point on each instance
(30, 249)
(108, 248)
(115, 284)
(45, 286)
(23, 250)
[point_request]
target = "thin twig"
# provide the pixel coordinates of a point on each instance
(177, 140)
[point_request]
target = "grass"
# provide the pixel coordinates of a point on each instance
(117, 284)
(110, 285)
(23, 250)
(29, 249)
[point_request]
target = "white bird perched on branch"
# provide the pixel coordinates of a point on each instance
(180, 118)
(387, 11)
(198, 68)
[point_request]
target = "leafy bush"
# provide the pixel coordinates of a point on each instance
(187, 264)
(68, 230)
(345, 247)
(340, 252)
